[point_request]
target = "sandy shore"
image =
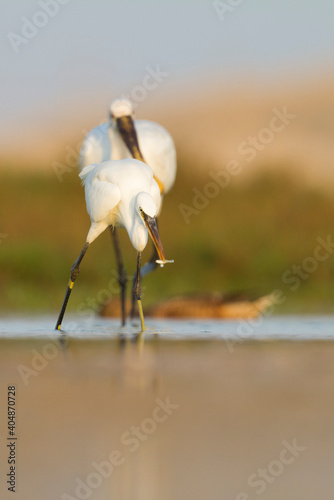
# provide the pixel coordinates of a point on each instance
(173, 419)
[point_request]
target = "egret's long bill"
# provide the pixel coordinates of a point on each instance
(151, 225)
(128, 132)
(126, 128)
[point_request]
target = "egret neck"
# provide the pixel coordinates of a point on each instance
(128, 133)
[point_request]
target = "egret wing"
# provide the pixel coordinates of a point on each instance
(96, 146)
(102, 196)
(157, 147)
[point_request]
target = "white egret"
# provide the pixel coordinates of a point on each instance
(124, 137)
(124, 194)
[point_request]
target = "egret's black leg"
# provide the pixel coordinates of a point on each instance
(133, 299)
(74, 274)
(122, 278)
(146, 269)
(150, 266)
(137, 292)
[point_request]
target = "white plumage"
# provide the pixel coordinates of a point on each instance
(104, 142)
(115, 192)
(125, 166)
(120, 193)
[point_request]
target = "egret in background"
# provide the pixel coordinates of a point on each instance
(120, 194)
(124, 137)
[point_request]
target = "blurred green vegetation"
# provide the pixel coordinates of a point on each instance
(245, 239)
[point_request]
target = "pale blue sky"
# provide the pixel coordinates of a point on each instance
(93, 46)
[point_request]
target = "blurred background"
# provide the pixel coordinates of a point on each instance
(245, 89)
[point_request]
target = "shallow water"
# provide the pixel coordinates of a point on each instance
(192, 411)
(272, 328)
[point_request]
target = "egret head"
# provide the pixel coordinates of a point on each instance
(120, 108)
(147, 211)
(121, 117)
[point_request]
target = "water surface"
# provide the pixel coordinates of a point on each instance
(280, 327)
(192, 411)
